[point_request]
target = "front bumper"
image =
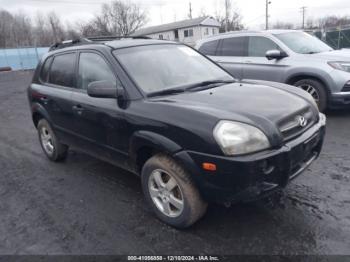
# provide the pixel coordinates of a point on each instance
(339, 100)
(246, 178)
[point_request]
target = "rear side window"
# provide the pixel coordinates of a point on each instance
(45, 70)
(235, 46)
(63, 70)
(258, 46)
(92, 67)
(209, 48)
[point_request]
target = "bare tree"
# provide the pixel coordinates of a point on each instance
(6, 19)
(118, 18)
(57, 30)
(229, 18)
(283, 25)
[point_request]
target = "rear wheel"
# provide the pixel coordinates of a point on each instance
(171, 193)
(316, 89)
(53, 149)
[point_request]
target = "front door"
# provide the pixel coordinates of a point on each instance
(99, 122)
(257, 66)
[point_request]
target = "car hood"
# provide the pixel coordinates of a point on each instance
(336, 55)
(260, 105)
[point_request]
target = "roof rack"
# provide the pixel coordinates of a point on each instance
(111, 38)
(92, 40)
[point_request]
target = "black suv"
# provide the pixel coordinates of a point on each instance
(167, 113)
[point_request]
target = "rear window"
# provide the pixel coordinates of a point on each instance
(209, 48)
(63, 70)
(45, 70)
(235, 46)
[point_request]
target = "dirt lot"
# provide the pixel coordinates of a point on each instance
(85, 206)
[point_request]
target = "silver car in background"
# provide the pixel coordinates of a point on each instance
(286, 56)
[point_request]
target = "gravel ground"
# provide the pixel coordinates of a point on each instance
(86, 206)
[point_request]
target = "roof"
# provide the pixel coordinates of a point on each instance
(116, 44)
(171, 26)
(246, 32)
(135, 42)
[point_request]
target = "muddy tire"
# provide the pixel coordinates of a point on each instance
(52, 148)
(170, 191)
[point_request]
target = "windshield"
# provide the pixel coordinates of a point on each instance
(303, 43)
(156, 68)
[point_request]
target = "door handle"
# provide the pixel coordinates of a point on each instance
(44, 99)
(248, 62)
(78, 108)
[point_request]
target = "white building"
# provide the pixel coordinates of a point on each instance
(186, 31)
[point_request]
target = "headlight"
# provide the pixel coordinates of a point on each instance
(236, 138)
(343, 66)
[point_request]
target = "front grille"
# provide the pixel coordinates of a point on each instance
(296, 124)
(346, 88)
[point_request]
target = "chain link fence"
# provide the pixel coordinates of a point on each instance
(21, 58)
(337, 38)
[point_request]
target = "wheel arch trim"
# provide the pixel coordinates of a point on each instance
(309, 75)
(38, 109)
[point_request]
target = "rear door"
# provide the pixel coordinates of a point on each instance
(231, 52)
(226, 53)
(257, 66)
(98, 122)
(56, 81)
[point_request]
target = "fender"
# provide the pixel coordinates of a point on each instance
(150, 139)
(39, 109)
(153, 140)
(327, 82)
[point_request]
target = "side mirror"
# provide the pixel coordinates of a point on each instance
(275, 54)
(102, 89)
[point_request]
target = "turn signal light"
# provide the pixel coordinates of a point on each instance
(209, 166)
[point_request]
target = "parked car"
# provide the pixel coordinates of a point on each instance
(172, 116)
(286, 56)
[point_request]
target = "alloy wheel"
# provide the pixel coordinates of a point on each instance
(166, 193)
(46, 140)
(312, 91)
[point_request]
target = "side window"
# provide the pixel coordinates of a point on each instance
(234, 46)
(45, 70)
(92, 67)
(209, 48)
(62, 70)
(258, 46)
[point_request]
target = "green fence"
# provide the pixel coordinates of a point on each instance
(336, 38)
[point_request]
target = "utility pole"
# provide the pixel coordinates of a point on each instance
(267, 15)
(303, 10)
(190, 13)
(226, 15)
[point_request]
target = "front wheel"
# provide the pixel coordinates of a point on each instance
(316, 89)
(171, 193)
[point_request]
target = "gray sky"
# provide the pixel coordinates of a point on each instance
(170, 10)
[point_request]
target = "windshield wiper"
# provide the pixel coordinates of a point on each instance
(196, 86)
(167, 92)
(207, 84)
